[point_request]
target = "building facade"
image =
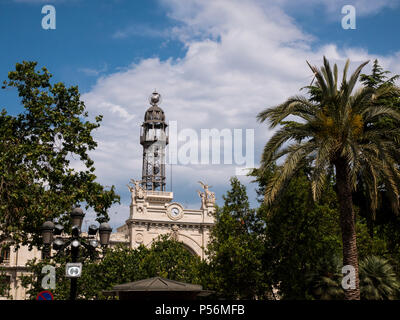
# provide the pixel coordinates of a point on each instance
(152, 210)
(154, 213)
(13, 264)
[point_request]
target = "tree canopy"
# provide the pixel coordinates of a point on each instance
(336, 129)
(40, 150)
(236, 246)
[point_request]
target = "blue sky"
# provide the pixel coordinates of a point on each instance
(216, 63)
(85, 41)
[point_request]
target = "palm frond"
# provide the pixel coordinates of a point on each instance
(296, 105)
(296, 154)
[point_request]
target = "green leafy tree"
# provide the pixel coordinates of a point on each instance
(235, 268)
(384, 222)
(37, 181)
(302, 238)
(165, 258)
(378, 77)
(337, 130)
(378, 80)
(169, 259)
(368, 245)
(298, 234)
(32, 281)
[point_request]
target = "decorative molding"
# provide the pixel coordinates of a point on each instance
(139, 238)
(181, 224)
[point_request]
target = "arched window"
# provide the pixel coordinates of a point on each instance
(4, 255)
(191, 251)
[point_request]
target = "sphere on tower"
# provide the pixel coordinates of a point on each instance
(155, 98)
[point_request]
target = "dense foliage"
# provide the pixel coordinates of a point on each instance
(235, 269)
(290, 251)
(299, 232)
(337, 131)
(4, 284)
(166, 258)
(38, 150)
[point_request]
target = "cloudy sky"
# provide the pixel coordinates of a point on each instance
(216, 63)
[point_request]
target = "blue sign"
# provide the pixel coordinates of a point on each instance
(45, 295)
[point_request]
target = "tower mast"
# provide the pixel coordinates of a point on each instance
(154, 139)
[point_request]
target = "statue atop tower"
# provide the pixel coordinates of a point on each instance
(154, 139)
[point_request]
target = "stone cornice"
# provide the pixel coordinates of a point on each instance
(14, 268)
(161, 223)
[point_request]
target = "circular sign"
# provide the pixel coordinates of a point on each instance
(45, 295)
(73, 270)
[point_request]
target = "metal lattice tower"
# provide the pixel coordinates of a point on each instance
(154, 139)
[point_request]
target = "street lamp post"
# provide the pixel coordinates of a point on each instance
(75, 241)
(47, 234)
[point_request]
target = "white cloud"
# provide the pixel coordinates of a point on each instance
(94, 72)
(140, 30)
(241, 57)
(118, 215)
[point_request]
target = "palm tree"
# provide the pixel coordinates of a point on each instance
(378, 280)
(336, 129)
(324, 281)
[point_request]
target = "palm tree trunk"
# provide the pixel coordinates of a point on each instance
(347, 223)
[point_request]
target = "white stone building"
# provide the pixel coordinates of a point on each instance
(153, 213)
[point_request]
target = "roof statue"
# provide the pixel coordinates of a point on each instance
(207, 197)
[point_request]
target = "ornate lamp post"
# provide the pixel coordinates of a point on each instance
(77, 216)
(47, 235)
(105, 232)
(75, 241)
